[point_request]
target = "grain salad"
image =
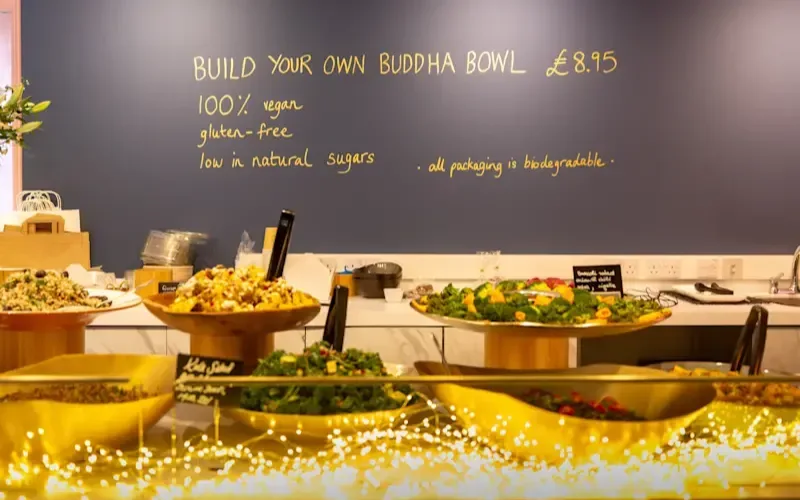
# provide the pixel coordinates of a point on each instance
(43, 291)
(222, 289)
(79, 393)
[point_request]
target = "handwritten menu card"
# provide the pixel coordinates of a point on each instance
(190, 366)
(601, 279)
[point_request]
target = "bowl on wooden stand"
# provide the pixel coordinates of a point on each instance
(245, 336)
(32, 337)
(525, 345)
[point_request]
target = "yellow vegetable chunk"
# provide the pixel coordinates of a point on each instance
(647, 318)
(542, 300)
(330, 366)
(603, 313)
(519, 316)
(288, 359)
(497, 297)
(566, 293)
(469, 299)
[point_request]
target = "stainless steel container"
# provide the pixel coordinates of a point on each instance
(171, 248)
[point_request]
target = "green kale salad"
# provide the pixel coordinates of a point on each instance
(320, 360)
(559, 304)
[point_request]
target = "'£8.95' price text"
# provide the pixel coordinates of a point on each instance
(582, 62)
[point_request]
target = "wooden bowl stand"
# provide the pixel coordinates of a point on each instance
(522, 351)
(22, 348)
(249, 349)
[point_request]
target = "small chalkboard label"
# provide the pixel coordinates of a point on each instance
(190, 366)
(599, 279)
(168, 286)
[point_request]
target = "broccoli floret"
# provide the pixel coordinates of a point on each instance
(510, 285)
(455, 309)
(436, 305)
(498, 312)
(517, 300)
(584, 299)
(560, 305)
(450, 291)
(532, 314)
(483, 291)
(480, 302)
(474, 316)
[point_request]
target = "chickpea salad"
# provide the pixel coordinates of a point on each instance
(45, 291)
(221, 289)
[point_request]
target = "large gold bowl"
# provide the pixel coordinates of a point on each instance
(319, 427)
(583, 330)
(54, 428)
(226, 324)
(534, 433)
(748, 421)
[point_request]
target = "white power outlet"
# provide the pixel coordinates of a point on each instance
(708, 269)
(732, 269)
(630, 269)
(664, 269)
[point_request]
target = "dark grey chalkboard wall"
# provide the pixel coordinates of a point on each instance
(701, 119)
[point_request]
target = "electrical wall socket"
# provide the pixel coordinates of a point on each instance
(630, 269)
(732, 269)
(708, 269)
(663, 269)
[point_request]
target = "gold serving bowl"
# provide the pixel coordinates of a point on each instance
(533, 433)
(319, 427)
(55, 428)
(583, 330)
(228, 324)
(748, 421)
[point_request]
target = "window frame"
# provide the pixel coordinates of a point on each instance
(13, 8)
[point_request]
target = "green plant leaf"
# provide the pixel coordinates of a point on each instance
(39, 107)
(14, 98)
(29, 127)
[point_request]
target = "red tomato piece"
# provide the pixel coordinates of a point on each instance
(566, 410)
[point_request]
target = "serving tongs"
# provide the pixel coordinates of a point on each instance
(714, 288)
(336, 322)
(752, 342)
(280, 248)
(532, 294)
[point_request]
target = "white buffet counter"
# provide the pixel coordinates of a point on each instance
(363, 313)
(401, 335)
